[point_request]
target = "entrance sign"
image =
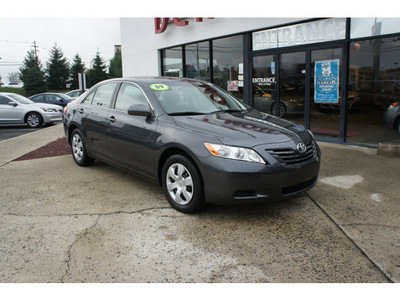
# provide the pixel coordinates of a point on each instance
(326, 81)
(300, 34)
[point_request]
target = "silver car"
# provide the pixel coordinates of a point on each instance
(17, 109)
(391, 116)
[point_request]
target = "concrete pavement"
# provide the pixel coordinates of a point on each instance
(63, 223)
(13, 148)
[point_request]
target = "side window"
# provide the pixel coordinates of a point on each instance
(103, 95)
(4, 100)
(39, 98)
(129, 94)
(88, 99)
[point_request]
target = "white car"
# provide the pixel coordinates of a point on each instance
(17, 109)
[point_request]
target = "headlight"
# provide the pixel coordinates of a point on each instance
(49, 109)
(312, 135)
(237, 153)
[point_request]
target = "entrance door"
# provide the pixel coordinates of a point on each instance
(325, 114)
(292, 86)
(283, 85)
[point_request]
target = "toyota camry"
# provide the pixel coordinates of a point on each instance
(201, 144)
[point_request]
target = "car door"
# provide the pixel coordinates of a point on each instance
(94, 118)
(39, 99)
(10, 113)
(131, 139)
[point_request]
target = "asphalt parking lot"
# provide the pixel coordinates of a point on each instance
(10, 131)
(63, 223)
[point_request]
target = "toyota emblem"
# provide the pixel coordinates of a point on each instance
(301, 147)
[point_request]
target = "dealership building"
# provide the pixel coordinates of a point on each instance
(336, 76)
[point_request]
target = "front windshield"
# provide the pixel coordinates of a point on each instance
(20, 99)
(194, 97)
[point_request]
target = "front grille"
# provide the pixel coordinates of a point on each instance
(290, 157)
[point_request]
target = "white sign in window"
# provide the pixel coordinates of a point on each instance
(300, 34)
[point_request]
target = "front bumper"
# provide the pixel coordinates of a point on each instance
(230, 182)
(52, 117)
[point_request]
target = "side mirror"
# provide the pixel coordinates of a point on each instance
(139, 110)
(12, 104)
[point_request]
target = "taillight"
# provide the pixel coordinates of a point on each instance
(65, 110)
(395, 104)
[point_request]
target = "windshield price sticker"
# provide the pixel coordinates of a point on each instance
(159, 87)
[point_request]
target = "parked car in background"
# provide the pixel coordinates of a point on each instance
(52, 98)
(15, 84)
(16, 109)
(195, 139)
(75, 93)
(391, 116)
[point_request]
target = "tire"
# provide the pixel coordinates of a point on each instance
(78, 150)
(34, 120)
(282, 109)
(182, 185)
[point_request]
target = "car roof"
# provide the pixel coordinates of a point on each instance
(155, 79)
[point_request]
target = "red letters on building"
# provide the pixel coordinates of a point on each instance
(161, 24)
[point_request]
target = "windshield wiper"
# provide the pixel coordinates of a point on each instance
(186, 113)
(228, 111)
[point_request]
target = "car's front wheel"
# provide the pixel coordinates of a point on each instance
(34, 120)
(78, 149)
(182, 184)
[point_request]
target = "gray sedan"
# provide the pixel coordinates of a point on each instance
(197, 141)
(16, 109)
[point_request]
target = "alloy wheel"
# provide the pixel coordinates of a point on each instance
(33, 120)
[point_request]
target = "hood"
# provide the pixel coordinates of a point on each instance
(45, 105)
(246, 129)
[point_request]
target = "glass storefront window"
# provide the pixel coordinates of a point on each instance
(228, 64)
(264, 83)
(374, 81)
(172, 62)
(198, 61)
(292, 86)
(365, 27)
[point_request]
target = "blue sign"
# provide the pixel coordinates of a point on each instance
(326, 81)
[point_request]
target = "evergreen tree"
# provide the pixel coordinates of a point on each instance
(58, 72)
(77, 67)
(115, 69)
(32, 74)
(98, 71)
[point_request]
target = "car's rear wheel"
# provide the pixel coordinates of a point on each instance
(182, 184)
(34, 120)
(78, 149)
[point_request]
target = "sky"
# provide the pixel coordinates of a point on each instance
(83, 36)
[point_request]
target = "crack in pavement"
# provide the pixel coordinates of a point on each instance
(72, 245)
(90, 214)
(339, 226)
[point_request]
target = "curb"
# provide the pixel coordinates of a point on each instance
(388, 149)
